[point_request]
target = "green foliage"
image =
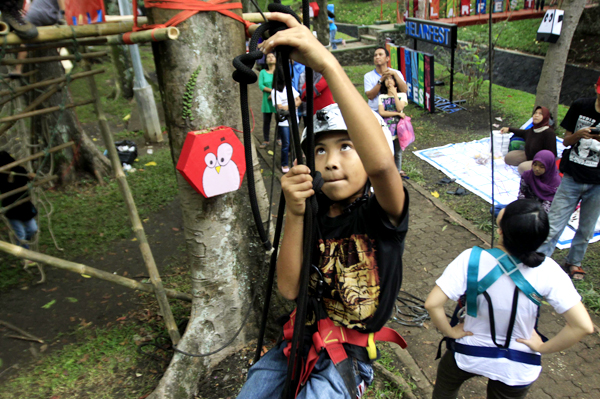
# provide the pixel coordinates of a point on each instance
(515, 35)
(188, 96)
(88, 218)
(91, 367)
(590, 296)
(362, 12)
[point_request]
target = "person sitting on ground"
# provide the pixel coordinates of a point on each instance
(265, 84)
(391, 106)
(22, 217)
(358, 271)
(498, 339)
(280, 100)
(541, 182)
(580, 165)
(539, 137)
(374, 79)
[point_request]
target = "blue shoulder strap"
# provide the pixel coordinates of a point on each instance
(506, 265)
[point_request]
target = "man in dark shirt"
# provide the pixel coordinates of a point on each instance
(581, 182)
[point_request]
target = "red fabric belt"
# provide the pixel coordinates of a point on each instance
(189, 8)
(332, 338)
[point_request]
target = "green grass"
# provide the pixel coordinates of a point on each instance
(105, 363)
(515, 35)
(88, 218)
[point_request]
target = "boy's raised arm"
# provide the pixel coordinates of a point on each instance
(363, 127)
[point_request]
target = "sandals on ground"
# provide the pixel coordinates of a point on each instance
(575, 272)
(265, 144)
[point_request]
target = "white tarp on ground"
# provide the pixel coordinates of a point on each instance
(469, 163)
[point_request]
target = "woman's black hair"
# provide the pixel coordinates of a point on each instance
(384, 90)
(279, 83)
(525, 227)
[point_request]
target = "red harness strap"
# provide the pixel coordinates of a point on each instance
(331, 338)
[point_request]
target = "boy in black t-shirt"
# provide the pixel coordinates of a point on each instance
(361, 235)
(581, 182)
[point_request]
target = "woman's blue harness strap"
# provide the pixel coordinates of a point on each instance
(506, 264)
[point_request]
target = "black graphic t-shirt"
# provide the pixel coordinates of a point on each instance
(582, 160)
(360, 259)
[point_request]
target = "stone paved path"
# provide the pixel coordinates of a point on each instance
(573, 373)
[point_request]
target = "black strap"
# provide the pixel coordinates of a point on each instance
(511, 324)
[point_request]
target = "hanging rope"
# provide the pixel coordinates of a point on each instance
(490, 58)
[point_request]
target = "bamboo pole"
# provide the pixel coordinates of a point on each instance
(33, 105)
(25, 188)
(15, 204)
(44, 83)
(134, 217)
(35, 156)
(84, 41)
(25, 74)
(53, 58)
(87, 270)
(256, 17)
(22, 332)
(44, 111)
(53, 33)
(4, 28)
(145, 36)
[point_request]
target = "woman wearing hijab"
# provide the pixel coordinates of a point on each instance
(21, 217)
(541, 182)
(539, 137)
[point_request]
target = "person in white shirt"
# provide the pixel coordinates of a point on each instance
(523, 226)
(374, 79)
(280, 101)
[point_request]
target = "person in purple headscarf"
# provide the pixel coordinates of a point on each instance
(541, 182)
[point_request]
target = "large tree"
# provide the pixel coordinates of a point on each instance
(550, 83)
(221, 237)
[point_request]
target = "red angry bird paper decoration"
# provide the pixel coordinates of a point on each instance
(212, 161)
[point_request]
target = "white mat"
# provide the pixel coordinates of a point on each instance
(464, 162)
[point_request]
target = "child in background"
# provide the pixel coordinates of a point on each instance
(22, 217)
(541, 182)
(280, 100)
(391, 106)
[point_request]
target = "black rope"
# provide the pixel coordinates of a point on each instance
(270, 279)
(491, 70)
(245, 76)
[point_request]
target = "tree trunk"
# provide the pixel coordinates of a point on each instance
(60, 127)
(320, 23)
(124, 79)
(225, 253)
(550, 83)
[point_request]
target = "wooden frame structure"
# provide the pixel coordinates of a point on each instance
(56, 37)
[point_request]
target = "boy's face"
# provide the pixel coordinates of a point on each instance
(340, 166)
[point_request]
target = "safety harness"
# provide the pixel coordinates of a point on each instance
(331, 338)
(506, 265)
